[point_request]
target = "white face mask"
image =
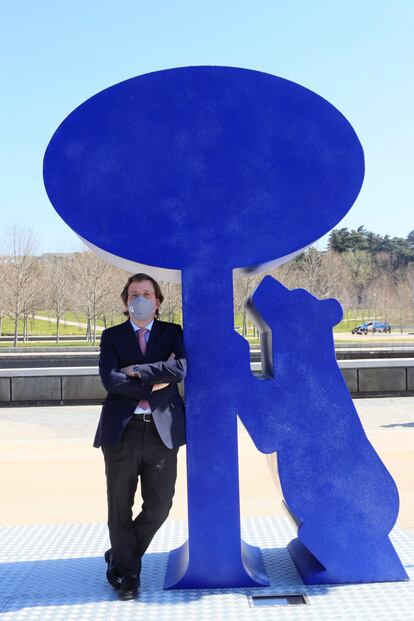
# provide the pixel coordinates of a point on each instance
(141, 308)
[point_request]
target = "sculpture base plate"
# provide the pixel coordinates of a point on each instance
(312, 572)
(251, 572)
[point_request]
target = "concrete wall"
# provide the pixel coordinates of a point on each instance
(50, 385)
(82, 387)
(60, 384)
(5, 389)
(381, 376)
(36, 389)
(351, 379)
(410, 378)
(382, 380)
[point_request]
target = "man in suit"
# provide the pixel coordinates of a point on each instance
(142, 425)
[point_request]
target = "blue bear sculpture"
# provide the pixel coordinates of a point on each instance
(342, 497)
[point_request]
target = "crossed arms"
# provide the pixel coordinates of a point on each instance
(154, 375)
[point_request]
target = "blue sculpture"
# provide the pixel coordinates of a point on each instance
(339, 492)
(217, 168)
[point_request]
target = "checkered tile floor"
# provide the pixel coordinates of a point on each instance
(58, 573)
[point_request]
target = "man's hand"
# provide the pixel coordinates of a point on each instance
(159, 387)
(128, 370)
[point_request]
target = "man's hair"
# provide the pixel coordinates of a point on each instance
(139, 278)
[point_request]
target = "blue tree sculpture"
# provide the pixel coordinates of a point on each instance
(204, 170)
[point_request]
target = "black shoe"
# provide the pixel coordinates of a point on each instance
(129, 588)
(112, 574)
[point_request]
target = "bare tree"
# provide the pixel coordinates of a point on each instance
(4, 294)
(362, 272)
(379, 295)
(112, 304)
(403, 299)
(33, 298)
(311, 271)
(93, 281)
(20, 278)
(287, 274)
(243, 287)
(172, 304)
(58, 287)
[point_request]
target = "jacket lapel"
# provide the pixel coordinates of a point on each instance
(133, 343)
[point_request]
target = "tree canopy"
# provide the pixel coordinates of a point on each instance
(391, 252)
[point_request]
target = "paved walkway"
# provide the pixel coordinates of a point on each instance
(57, 573)
(51, 474)
(66, 322)
(53, 531)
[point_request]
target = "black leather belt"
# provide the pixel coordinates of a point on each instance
(147, 417)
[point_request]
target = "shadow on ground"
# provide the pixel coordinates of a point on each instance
(77, 581)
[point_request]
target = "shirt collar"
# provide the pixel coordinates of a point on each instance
(136, 328)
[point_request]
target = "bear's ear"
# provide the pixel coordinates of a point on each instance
(332, 310)
(269, 293)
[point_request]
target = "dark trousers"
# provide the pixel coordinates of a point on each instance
(140, 454)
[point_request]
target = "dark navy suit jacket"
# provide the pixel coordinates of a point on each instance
(120, 348)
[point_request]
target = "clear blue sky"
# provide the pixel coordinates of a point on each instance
(358, 54)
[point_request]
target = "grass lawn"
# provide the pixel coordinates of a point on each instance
(37, 327)
(346, 325)
(41, 344)
(79, 317)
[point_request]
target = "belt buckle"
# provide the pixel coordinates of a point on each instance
(146, 420)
